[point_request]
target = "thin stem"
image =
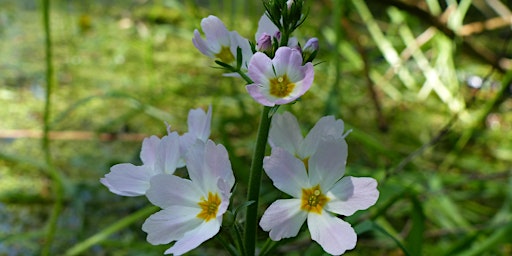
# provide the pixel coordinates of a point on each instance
(255, 182)
(54, 174)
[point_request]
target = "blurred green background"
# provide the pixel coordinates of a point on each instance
(422, 84)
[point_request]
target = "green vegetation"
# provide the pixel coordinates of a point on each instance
(396, 72)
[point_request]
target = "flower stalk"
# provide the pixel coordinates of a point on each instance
(251, 219)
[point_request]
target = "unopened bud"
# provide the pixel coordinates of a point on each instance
(311, 45)
(310, 50)
(264, 43)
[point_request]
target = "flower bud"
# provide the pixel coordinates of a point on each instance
(264, 43)
(311, 45)
(310, 50)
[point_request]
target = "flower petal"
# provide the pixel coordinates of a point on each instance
(148, 151)
(195, 163)
(207, 163)
(351, 194)
(287, 61)
(286, 172)
(303, 85)
(215, 31)
(218, 164)
(202, 45)
(168, 154)
(260, 69)
(260, 94)
(283, 219)
(333, 234)
(199, 123)
(195, 237)
(166, 190)
(285, 132)
(327, 164)
(128, 179)
(325, 127)
(171, 224)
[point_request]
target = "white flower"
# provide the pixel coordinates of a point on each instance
(319, 194)
(286, 133)
(157, 155)
(192, 209)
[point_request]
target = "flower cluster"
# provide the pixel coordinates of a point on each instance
(192, 209)
(278, 71)
(310, 170)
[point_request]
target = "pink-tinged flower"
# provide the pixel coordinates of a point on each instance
(191, 209)
(319, 194)
(285, 133)
(157, 155)
(199, 124)
(280, 80)
(220, 43)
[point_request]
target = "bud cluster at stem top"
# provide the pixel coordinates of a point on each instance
(286, 15)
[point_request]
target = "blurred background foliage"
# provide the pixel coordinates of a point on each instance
(424, 85)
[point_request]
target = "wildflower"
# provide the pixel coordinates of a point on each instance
(319, 194)
(157, 155)
(191, 209)
(286, 133)
(280, 80)
(220, 43)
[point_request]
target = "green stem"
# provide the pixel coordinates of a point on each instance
(255, 182)
(122, 223)
(57, 185)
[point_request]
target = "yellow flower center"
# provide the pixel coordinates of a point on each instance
(225, 55)
(209, 207)
(281, 86)
(313, 200)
